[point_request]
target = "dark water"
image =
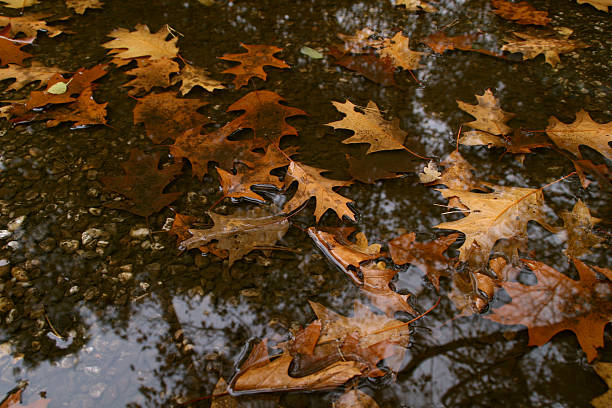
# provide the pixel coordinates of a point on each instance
(167, 334)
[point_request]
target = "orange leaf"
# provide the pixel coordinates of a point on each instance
(252, 63)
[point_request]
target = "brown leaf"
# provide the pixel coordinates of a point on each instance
(371, 66)
(80, 6)
(181, 226)
(521, 13)
(582, 306)
(358, 43)
(10, 50)
(84, 111)
(578, 226)
(220, 397)
(397, 50)
(36, 72)
(141, 43)
(252, 63)
(19, 4)
(355, 399)
(312, 184)
(427, 256)
(531, 46)
(240, 233)
(416, 5)
(598, 4)
(584, 131)
(383, 165)
(599, 171)
(29, 25)
(143, 184)
(488, 113)
(604, 370)
(376, 287)
(520, 143)
(192, 76)
(13, 400)
(439, 42)
(151, 73)
(166, 116)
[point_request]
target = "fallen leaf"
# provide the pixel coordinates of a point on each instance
(427, 256)
(141, 43)
(13, 400)
(598, 4)
(531, 46)
(312, 184)
(582, 306)
(151, 73)
(371, 66)
(380, 166)
(578, 226)
(376, 281)
(355, 399)
(416, 5)
(192, 76)
(359, 42)
(430, 173)
(520, 142)
(84, 111)
(440, 42)
(80, 6)
(488, 113)
(181, 226)
(143, 184)
(604, 370)
(252, 63)
(397, 50)
(10, 50)
(18, 4)
(221, 397)
(584, 131)
(240, 233)
(29, 25)
(369, 127)
(166, 116)
(37, 72)
(521, 12)
(502, 214)
(599, 171)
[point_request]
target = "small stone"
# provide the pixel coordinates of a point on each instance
(47, 244)
(157, 246)
(19, 274)
(139, 233)
(90, 293)
(73, 290)
(125, 277)
(90, 235)
(126, 268)
(30, 195)
(146, 244)
(93, 192)
(250, 292)
(35, 151)
(96, 390)
(95, 211)
(15, 224)
(14, 245)
(35, 346)
(4, 234)
(6, 304)
(5, 267)
(69, 245)
(92, 174)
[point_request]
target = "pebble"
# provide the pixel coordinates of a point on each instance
(95, 211)
(5, 267)
(90, 293)
(139, 233)
(125, 276)
(96, 390)
(90, 235)
(4, 234)
(6, 304)
(250, 292)
(69, 245)
(48, 244)
(15, 224)
(14, 245)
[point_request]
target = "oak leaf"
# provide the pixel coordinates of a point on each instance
(312, 184)
(10, 49)
(355, 399)
(382, 165)
(181, 226)
(600, 171)
(415, 5)
(252, 63)
(521, 13)
(488, 113)
(521, 142)
(604, 370)
(240, 233)
(376, 281)
(13, 400)
(583, 131)
(151, 73)
(532, 46)
(578, 226)
(37, 72)
(359, 42)
(371, 66)
(502, 214)
(143, 184)
(141, 43)
(440, 42)
(583, 306)
(397, 50)
(192, 76)
(84, 111)
(19, 4)
(598, 4)
(221, 397)
(369, 127)
(427, 256)
(166, 116)
(80, 6)
(29, 25)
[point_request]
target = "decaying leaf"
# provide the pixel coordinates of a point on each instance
(604, 370)
(397, 50)
(521, 12)
(221, 398)
(29, 25)
(376, 281)
(80, 6)
(415, 5)
(192, 76)
(582, 306)
(359, 42)
(143, 184)
(371, 66)
(84, 111)
(578, 226)
(151, 73)
(18, 4)
(10, 50)
(369, 127)
(430, 173)
(37, 72)
(488, 113)
(355, 399)
(240, 233)
(598, 4)
(427, 256)
(531, 46)
(502, 214)
(584, 131)
(521, 142)
(601, 172)
(252, 63)
(312, 184)
(141, 43)
(181, 226)
(440, 42)
(166, 116)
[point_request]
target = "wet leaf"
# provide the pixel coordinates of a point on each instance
(488, 113)
(601, 172)
(521, 12)
(355, 399)
(166, 116)
(37, 72)
(583, 306)
(252, 63)
(583, 131)
(598, 4)
(415, 5)
(578, 226)
(397, 50)
(151, 73)
(84, 111)
(371, 66)
(141, 43)
(440, 42)
(10, 50)
(143, 184)
(80, 6)
(192, 76)
(427, 256)
(532, 46)
(240, 233)
(310, 52)
(604, 370)
(13, 400)
(17, 4)
(220, 397)
(312, 184)
(520, 142)
(181, 226)
(376, 287)
(430, 173)
(29, 25)
(359, 43)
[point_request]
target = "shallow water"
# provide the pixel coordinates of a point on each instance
(166, 335)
